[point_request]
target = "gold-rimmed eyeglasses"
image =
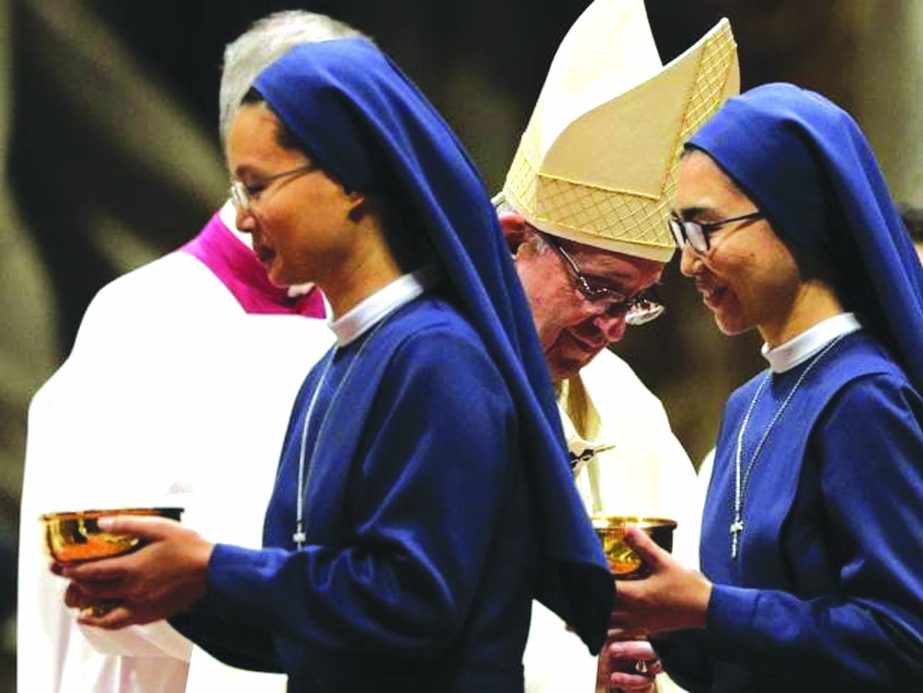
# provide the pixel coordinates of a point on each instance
(244, 194)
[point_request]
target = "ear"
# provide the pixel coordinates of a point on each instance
(516, 230)
(360, 205)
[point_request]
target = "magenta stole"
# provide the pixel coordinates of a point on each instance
(239, 270)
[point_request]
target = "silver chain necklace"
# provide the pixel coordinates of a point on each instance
(299, 536)
(741, 482)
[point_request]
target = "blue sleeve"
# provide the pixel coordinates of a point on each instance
(868, 636)
(439, 444)
(231, 642)
(685, 658)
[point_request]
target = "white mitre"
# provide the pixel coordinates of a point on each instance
(597, 162)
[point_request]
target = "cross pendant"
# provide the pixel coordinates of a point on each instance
(737, 526)
(299, 537)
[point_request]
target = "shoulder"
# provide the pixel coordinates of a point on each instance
(174, 283)
(433, 326)
(863, 372)
(742, 396)
(609, 375)
(614, 387)
(860, 355)
(165, 293)
(431, 340)
(868, 396)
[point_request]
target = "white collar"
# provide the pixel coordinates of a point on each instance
(799, 349)
(373, 309)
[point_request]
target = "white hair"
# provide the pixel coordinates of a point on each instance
(257, 48)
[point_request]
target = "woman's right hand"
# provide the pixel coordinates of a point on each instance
(672, 597)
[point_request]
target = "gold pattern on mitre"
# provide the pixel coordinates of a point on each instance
(597, 163)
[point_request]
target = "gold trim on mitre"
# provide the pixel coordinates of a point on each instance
(597, 162)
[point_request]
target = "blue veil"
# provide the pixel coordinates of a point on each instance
(807, 166)
(367, 125)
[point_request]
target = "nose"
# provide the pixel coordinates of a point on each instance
(690, 262)
(612, 327)
(244, 219)
(601, 330)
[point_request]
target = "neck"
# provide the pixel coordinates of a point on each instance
(370, 268)
(814, 303)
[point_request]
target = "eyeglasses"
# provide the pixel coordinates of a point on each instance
(243, 194)
(695, 233)
(638, 309)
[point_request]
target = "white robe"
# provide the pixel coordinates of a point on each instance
(635, 466)
(172, 396)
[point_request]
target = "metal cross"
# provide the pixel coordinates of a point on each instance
(737, 526)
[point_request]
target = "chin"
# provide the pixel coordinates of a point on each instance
(732, 326)
(564, 367)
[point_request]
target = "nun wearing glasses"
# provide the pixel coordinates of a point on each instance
(423, 496)
(811, 549)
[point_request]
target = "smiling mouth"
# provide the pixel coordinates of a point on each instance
(263, 254)
(581, 344)
(712, 296)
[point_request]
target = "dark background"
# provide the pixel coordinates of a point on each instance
(108, 124)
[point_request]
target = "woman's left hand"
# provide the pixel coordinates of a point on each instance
(163, 577)
(671, 598)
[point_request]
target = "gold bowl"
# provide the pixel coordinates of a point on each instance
(624, 563)
(72, 537)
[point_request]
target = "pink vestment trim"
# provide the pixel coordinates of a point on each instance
(239, 270)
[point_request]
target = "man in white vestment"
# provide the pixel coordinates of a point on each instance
(177, 393)
(584, 210)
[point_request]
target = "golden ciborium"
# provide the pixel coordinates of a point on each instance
(625, 564)
(72, 537)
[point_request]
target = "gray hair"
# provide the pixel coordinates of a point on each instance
(502, 206)
(257, 48)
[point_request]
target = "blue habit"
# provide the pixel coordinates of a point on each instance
(367, 125)
(439, 500)
(827, 591)
(376, 600)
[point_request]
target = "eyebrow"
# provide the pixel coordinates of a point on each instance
(242, 170)
(688, 213)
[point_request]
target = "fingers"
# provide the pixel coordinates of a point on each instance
(73, 597)
(103, 570)
(633, 682)
(627, 633)
(93, 592)
(149, 528)
(631, 649)
(645, 547)
(118, 616)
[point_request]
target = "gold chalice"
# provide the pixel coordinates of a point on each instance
(625, 564)
(72, 537)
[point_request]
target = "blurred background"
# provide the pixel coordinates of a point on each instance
(110, 153)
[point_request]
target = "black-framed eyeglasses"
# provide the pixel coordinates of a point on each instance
(243, 194)
(640, 309)
(696, 233)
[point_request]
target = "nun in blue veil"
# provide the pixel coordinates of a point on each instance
(423, 496)
(812, 536)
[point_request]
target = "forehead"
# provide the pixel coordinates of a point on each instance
(252, 139)
(702, 185)
(615, 267)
